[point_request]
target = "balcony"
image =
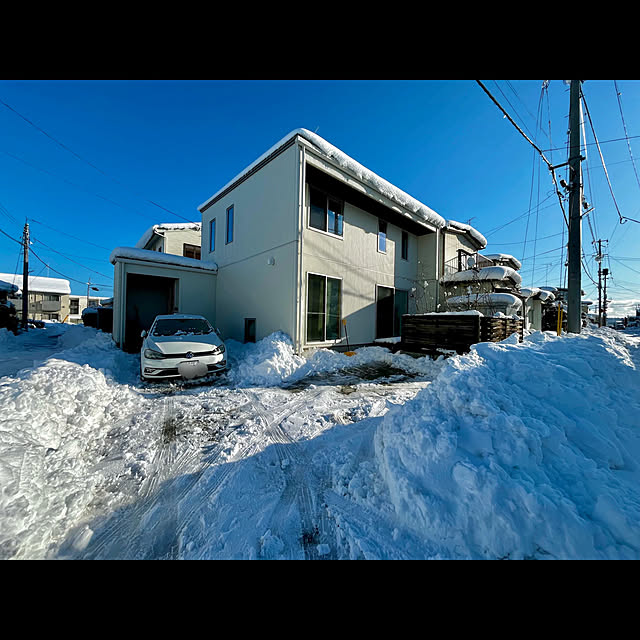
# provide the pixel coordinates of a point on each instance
(50, 306)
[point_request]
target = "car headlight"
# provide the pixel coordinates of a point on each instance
(153, 355)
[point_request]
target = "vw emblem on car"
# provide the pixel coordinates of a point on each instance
(189, 354)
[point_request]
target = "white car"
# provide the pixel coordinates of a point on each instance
(181, 346)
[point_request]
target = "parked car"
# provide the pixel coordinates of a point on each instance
(619, 325)
(181, 346)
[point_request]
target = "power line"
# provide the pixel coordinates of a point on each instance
(72, 152)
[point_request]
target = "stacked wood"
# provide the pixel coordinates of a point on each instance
(454, 332)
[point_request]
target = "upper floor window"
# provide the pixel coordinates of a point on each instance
(325, 212)
(191, 251)
(212, 236)
(405, 246)
(229, 224)
(382, 236)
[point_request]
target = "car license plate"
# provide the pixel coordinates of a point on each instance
(192, 369)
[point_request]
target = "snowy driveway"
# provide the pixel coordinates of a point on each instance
(515, 450)
(230, 468)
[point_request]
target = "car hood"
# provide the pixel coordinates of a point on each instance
(181, 344)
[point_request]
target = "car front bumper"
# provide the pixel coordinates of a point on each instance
(196, 367)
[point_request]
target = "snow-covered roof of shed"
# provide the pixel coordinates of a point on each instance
(487, 273)
(133, 253)
(469, 230)
(536, 292)
(39, 284)
(504, 257)
(486, 299)
(166, 226)
(421, 211)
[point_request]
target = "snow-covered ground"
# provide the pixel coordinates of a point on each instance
(515, 450)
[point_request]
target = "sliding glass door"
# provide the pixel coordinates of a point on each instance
(323, 308)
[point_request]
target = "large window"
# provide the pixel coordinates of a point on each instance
(405, 246)
(323, 308)
(230, 224)
(212, 236)
(325, 212)
(74, 306)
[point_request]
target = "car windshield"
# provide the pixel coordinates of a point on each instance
(181, 327)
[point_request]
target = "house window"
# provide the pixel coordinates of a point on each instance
(323, 308)
(191, 251)
(212, 236)
(51, 297)
(325, 213)
(382, 236)
(249, 330)
(405, 245)
(229, 224)
(74, 306)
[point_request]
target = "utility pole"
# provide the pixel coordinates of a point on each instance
(574, 321)
(605, 273)
(25, 277)
(599, 261)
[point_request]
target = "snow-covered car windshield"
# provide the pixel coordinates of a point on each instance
(181, 327)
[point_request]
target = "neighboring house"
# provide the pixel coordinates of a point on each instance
(180, 239)
(77, 304)
(48, 297)
(306, 238)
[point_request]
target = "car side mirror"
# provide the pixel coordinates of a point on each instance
(143, 334)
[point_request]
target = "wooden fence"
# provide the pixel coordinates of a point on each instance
(454, 332)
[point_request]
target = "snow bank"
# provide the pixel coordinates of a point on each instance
(522, 451)
(56, 423)
(272, 362)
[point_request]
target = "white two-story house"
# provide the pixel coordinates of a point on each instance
(311, 243)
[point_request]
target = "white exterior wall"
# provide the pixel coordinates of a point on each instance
(265, 230)
(172, 240)
(196, 291)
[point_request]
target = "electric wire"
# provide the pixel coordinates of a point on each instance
(72, 152)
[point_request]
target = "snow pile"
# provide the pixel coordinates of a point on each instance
(264, 363)
(524, 450)
(55, 424)
(41, 284)
(6, 337)
(272, 362)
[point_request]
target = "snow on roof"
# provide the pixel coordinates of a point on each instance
(165, 226)
(8, 287)
(536, 292)
(133, 253)
(487, 299)
(469, 230)
(39, 284)
(504, 257)
(382, 186)
(487, 273)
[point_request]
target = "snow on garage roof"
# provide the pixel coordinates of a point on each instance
(39, 284)
(419, 210)
(133, 253)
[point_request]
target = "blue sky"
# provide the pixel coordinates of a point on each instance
(105, 150)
